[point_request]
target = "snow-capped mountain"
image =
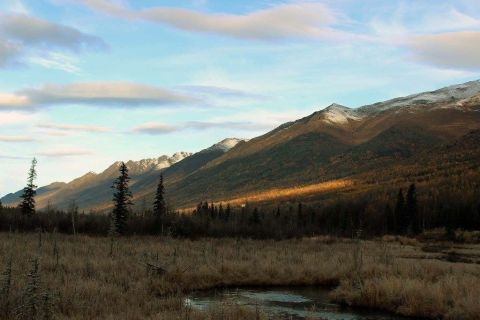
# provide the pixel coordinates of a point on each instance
(338, 114)
(156, 163)
(430, 99)
(136, 167)
(93, 189)
(335, 142)
(226, 144)
(452, 97)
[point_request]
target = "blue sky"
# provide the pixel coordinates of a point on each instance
(84, 83)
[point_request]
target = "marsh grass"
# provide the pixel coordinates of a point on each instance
(89, 278)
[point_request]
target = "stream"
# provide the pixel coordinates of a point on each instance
(285, 303)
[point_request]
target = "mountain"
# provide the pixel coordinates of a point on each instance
(92, 189)
(335, 143)
(373, 146)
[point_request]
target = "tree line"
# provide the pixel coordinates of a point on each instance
(403, 212)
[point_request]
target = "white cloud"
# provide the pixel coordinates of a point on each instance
(14, 6)
(23, 35)
(65, 152)
(4, 138)
(264, 120)
(450, 50)
(13, 101)
(33, 31)
(74, 128)
(292, 20)
(449, 20)
(155, 128)
(9, 118)
(100, 94)
(56, 60)
(8, 53)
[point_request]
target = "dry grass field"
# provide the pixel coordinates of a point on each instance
(81, 277)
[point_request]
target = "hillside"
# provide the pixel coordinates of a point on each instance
(339, 142)
(335, 143)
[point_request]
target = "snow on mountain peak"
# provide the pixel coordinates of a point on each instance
(165, 161)
(338, 114)
(448, 94)
(179, 156)
(226, 144)
(140, 166)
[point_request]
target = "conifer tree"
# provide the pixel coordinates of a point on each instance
(255, 218)
(159, 206)
(390, 219)
(400, 212)
(27, 204)
(221, 212)
(300, 218)
(412, 208)
(122, 200)
(228, 211)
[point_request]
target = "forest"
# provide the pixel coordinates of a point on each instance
(408, 211)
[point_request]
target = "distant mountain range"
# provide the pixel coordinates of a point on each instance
(333, 144)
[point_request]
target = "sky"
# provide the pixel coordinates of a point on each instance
(84, 83)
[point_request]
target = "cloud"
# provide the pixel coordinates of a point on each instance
(440, 36)
(449, 50)
(241, 125)
(99, 94)
(8, 53)
(22, 35)
(7, 157)
(62, 153)
(221, 92)
(155, 128)
(74, 128)
(14, 6)
(56, 60)
(8, 118)
(449, 20)
(15, 139)
(294, 20)
(10, 101)
(162, 128)
(32, 31)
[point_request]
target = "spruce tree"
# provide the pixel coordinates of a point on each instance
(27, 204)
(400, 212)
(255, 217)
(412, 209)
(159, 206)
(228, 211)
(221, 212)
(122, 200)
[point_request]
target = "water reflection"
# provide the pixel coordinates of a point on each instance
(290, 303)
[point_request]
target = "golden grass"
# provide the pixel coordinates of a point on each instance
(91, 278)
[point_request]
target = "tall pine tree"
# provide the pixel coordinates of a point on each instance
(27, 205)
(401, 221)
(122, 200)
(412, 209)
(159, 206)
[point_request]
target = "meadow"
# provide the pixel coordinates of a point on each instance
(49, 275)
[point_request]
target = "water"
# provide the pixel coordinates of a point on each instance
(288, 303)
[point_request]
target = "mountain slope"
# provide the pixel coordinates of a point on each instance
(337, 142)
(91, 189)
(371, 144)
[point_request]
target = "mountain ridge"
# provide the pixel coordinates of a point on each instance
(333, 143)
